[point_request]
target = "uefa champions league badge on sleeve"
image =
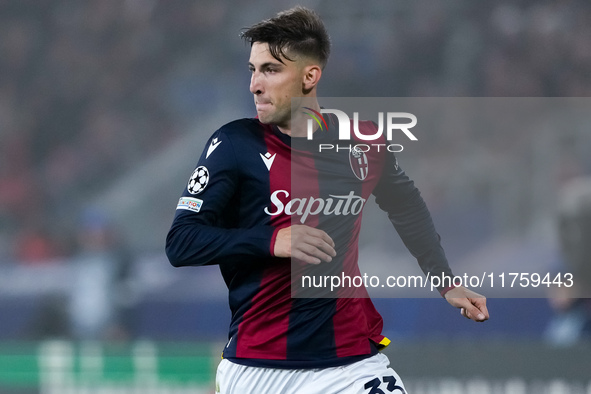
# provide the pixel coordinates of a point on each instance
(198, 180)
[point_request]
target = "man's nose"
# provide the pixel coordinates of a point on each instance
(255, 83)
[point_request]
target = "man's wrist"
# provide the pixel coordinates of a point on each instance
(444, 291)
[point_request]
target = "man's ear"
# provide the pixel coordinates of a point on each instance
(312, 74)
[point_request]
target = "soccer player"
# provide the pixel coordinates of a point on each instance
(241, 210)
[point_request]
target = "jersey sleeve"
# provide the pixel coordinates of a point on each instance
(198, 235)
(397, 194)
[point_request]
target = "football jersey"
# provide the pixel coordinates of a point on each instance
(252, 180)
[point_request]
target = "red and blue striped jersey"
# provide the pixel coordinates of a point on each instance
(252, 180)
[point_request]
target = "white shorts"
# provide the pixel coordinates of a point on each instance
(372, 375)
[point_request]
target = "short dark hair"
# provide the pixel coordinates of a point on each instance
(298, 30)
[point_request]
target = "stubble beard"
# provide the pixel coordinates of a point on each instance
(277, 118)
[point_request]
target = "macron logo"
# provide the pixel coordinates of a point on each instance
(268, 159)
(214, 144)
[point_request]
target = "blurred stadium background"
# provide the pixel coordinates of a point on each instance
(105, 106)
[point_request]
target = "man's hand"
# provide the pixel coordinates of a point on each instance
(304, 243)
(472, 305)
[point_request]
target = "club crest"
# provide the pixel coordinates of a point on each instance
(359, 163)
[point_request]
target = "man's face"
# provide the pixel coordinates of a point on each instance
(273, 85)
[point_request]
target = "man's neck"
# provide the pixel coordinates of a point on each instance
(297, 126)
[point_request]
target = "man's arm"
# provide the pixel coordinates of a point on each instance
(397, 195)
(197, 235)
(190, 242)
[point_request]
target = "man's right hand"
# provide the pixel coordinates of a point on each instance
(304, 243)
